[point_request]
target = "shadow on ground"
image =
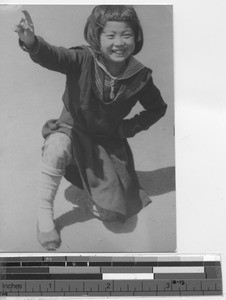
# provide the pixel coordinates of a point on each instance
(155, 183)
(158, 182)
(82, 213)
(118, 227)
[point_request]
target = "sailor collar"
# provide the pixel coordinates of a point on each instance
(133, 67)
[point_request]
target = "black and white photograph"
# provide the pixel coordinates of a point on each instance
(87, 128)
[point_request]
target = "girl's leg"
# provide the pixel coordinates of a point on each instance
(56, 156)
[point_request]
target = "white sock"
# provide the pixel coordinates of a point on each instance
(48, 185)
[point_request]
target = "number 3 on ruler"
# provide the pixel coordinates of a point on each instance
(168, 285)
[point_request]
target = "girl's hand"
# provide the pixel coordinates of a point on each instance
(25, 30)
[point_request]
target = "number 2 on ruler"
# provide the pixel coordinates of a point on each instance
(108, 285)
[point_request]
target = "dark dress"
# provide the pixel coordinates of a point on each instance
(94, 120)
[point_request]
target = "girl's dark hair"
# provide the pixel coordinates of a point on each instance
(101, 14)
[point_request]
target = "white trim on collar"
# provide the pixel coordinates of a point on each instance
(133, 67)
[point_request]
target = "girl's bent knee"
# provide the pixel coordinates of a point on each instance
(56, 151)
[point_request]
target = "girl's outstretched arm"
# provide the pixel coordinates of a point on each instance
(53, 58)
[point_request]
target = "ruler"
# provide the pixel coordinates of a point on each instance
(80, 275)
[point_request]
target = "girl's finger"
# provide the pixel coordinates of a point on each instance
(22, 21)
(18, 29)
(25, 25)
(28, 17)
(22, 26)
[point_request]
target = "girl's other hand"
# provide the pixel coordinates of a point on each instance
(25, 30)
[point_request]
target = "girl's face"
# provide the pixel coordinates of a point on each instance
(117, 42)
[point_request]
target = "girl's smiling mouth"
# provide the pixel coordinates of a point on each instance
(118, 52)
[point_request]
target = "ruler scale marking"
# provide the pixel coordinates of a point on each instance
(96, 276)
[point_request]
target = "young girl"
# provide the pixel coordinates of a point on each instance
(88, 143)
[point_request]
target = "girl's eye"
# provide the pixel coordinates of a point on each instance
(127, 36)
(111, 36)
